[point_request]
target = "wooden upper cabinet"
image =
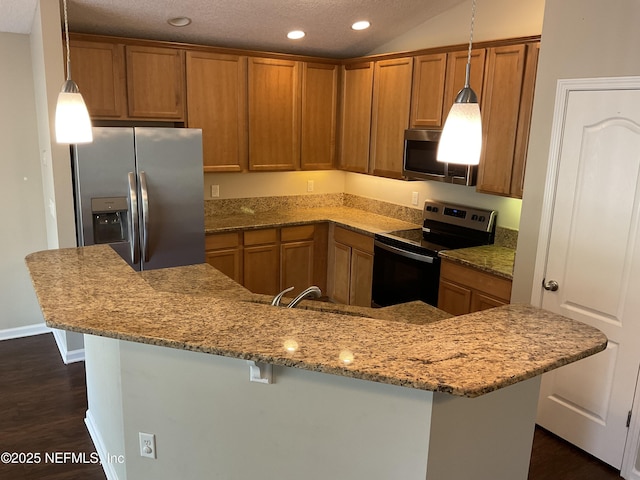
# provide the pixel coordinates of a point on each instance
(274, 114)
(98, 69)
(428, 90)
(524, 120)
(319, 116)
(456, 73)
(155, 82)
(355, 117)
(217, 103)
(390, 115)
(500, 114)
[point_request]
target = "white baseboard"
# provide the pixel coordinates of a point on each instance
(27, 331)
(96, 437)
(68, 356)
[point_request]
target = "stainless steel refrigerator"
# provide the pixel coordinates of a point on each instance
(140, 190)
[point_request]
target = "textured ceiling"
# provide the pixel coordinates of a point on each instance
(247, 24)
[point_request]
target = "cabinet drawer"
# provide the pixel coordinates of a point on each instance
(222, 240)
(497, 287)
(260, 237)
(353, 239)
(302, 232)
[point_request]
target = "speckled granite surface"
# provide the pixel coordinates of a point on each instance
(355, 219)
(349, 211)
(488, 258)
(92, 290)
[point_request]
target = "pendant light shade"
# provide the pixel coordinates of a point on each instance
(73, 124)
(461, 139)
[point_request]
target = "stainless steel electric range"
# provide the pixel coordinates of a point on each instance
(406, 265)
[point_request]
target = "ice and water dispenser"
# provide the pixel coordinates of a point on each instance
(110, 219)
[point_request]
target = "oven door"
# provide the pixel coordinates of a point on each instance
(401, 276)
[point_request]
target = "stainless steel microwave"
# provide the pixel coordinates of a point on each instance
(420, 150)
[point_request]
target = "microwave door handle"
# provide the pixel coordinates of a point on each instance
(134, 231)
(144, 193)
(404, 253)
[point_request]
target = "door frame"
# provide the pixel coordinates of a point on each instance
(563, 89)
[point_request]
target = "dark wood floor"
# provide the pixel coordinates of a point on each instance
(43, 404)
(42, 407)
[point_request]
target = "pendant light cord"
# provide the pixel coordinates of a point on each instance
(473, 20)
(66, 34)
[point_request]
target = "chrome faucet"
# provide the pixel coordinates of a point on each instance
(276, 300)
(311, 292)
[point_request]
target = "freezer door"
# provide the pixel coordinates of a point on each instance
(171, 196)
(102, 195)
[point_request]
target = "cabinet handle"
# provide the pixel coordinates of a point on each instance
(551, 285)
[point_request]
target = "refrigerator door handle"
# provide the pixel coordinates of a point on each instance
(133, 218)
(144, 193)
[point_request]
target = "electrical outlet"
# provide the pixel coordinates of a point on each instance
(310, 185)
(147, 445)
(414, 198)
(215, 191)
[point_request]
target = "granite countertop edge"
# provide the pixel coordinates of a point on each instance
(199, 309)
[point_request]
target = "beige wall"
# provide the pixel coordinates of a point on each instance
(20, 184)
(594, 38)
(495, 19)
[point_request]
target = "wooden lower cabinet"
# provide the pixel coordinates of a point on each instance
(271, 259)
(350, 267)
(224, 252)
(261, 261)
(464, 289)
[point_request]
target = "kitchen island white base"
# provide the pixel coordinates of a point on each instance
(210, 421)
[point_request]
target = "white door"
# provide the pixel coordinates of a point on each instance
(591, 243)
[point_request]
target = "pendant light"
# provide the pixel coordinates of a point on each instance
(73, 124)
(461, 139)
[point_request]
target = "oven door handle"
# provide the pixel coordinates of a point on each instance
(404, 253)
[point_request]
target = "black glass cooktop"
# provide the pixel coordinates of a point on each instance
(412, 239)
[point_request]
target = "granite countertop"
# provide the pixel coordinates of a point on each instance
(492, 259)
(488, 258)
(352, 218)
(92, 290)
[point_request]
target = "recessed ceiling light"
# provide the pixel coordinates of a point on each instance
(295, 34)
(361, 25)
(179, 21)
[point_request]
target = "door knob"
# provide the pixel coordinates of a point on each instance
(551, 285)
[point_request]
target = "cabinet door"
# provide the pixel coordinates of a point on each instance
(224, 252)
(453, 298)
(296, 261)
(524, 120)
(217, 103)
(481, 301)
(98, 69)
(456, 72)
(274, 114)
(228, 261)
(341, 273)
(390, 115)
(319, 116)
(500, 113)
(361, 278)
(428, 90)
(155, 82)
(260, 269)
(355, 117)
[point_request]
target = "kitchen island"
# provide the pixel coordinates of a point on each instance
(351, 396)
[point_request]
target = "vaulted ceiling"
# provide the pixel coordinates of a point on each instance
(247, 24)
